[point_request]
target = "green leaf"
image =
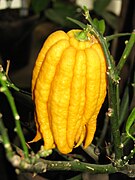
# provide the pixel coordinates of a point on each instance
(59, 17)
(129, 123)
(96, 23)
(55, 16)
(60, 12)
(100, 25)
(79, 23)
(39, 5)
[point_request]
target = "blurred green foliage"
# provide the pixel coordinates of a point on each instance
(57, 11)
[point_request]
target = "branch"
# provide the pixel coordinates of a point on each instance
(37, 165)
(113, 83)
(42, 165)
(126, 52)
(5, 90)
(5, 139)
(113, 36)
(80, 166)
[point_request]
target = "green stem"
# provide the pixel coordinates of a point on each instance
(81, 36)
(41, 166)
(130, 156)
(113, 83)
(80, 166)
(113, 36)
(112, 73)
(126, 138)
(80, 24)
(130, 122)
(118, 101)
(9, 96)
(5, 139)
(90, 150)
(9, 84)
(114, 121)
(126, 52)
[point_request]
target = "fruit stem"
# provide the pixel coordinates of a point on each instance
(82, 35)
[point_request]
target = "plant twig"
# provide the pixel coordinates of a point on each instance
(42, 165)
(113, 81)
(5, 139)
(126, 52)
(5, 90)
(90, 150)
(130, 156)
(113, 36)
(126, 138)
(130, 122)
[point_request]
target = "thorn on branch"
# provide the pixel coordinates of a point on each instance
(110, 112)
(7, 68)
